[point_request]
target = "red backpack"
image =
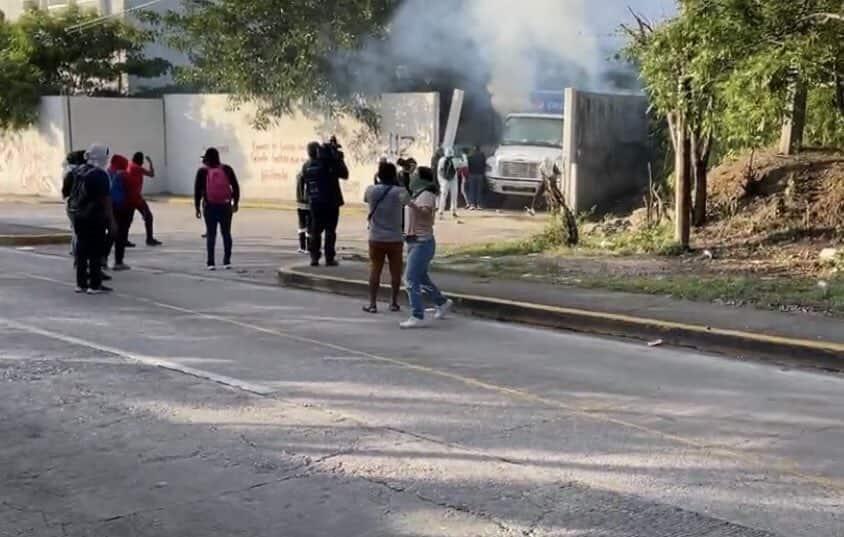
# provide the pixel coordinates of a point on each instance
(218, 188)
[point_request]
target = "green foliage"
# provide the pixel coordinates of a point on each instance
(42, 55)
(726, 66)
(87, 61)
(18, 80)
(276, 53)
(825, 122)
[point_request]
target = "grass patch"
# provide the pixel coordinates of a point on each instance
(655, 240)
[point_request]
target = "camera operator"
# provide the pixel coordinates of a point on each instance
(321, 174)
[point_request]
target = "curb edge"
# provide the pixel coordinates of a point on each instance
(819, 355)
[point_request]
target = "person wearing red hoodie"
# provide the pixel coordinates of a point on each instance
(134, 192)
(123, 210)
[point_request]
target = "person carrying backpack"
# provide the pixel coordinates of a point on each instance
(217, 190)
(89, 206)
(123, 210)
(449, 184)
(72, 162)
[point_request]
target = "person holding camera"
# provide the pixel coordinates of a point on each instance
(321, 174)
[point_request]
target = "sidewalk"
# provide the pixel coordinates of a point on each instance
(20, 235)
(784, 337)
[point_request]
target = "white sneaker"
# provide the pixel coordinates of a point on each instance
(444, 310)
(227, 267)
(211, 268)
(413, 322)
(301, 251)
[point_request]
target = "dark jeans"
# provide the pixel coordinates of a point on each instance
(539, 195)
(218, 215)
(475, 192)
(324, 219)
(124, 218)
(90, 245)
(146, 213)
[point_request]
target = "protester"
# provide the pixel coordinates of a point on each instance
(72, 162)
(477, 179)
(448, 181)
(89, 206)
(322, 173)
(421, 247)
(123, 210)
(408, 168)
(538, 196)
(435, 159)
(386, 202)
(217, 193)
(303, 210)
(134, 192)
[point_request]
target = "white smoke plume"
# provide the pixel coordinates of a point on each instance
(505, 46)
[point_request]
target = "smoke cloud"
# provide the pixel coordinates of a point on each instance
(505, 47)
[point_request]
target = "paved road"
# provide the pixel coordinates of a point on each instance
(187, 405)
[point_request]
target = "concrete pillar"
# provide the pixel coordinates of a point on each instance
(794, 122)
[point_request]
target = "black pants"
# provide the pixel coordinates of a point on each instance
(218, 215)
(124, 218)
(146, 213)
(324, 219)
(90, 246)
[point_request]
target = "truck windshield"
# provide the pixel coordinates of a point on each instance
(540, 131)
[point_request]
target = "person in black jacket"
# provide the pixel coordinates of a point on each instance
(321, 175)
(216, 192)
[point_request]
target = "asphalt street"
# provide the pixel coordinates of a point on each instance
(220, 405)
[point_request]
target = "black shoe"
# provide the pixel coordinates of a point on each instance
(130, 244)
(153, 242)
(332, 263)
(314, 263)
(106, 278)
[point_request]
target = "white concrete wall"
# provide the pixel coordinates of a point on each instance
(410, 125)
(31, 159)
(266, 161)
(126, 126)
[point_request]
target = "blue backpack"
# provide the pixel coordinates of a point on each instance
(118, 188)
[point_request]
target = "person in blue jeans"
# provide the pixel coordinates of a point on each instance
(217, 193)
(421, 248)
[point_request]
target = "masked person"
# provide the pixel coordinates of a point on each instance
(322, 173)
(216, 192)
(89, 206)
(447, 170)
(421, 248)
(123, 210)
(72, 162)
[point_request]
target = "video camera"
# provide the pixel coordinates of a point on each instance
(332, 150)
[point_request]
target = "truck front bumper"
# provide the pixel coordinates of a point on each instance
(513, 187)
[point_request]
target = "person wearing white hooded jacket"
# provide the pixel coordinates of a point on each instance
(447, 175)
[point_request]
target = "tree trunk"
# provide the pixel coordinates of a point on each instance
(701, 150)
(682, 182)
(794, 122)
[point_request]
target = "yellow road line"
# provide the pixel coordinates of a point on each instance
(781, 465)
(641, 321)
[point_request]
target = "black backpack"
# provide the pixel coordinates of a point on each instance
(449, 169)
(79, 203)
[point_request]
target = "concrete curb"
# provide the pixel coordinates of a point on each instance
(804, 353)
(40, 239)
(255, 204)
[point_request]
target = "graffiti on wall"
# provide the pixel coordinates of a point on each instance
(29, 165)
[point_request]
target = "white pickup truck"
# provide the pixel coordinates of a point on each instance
(527, 140)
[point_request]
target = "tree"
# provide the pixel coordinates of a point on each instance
(721, 71)
(276, 53)
(18, 80)
(89, 61)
